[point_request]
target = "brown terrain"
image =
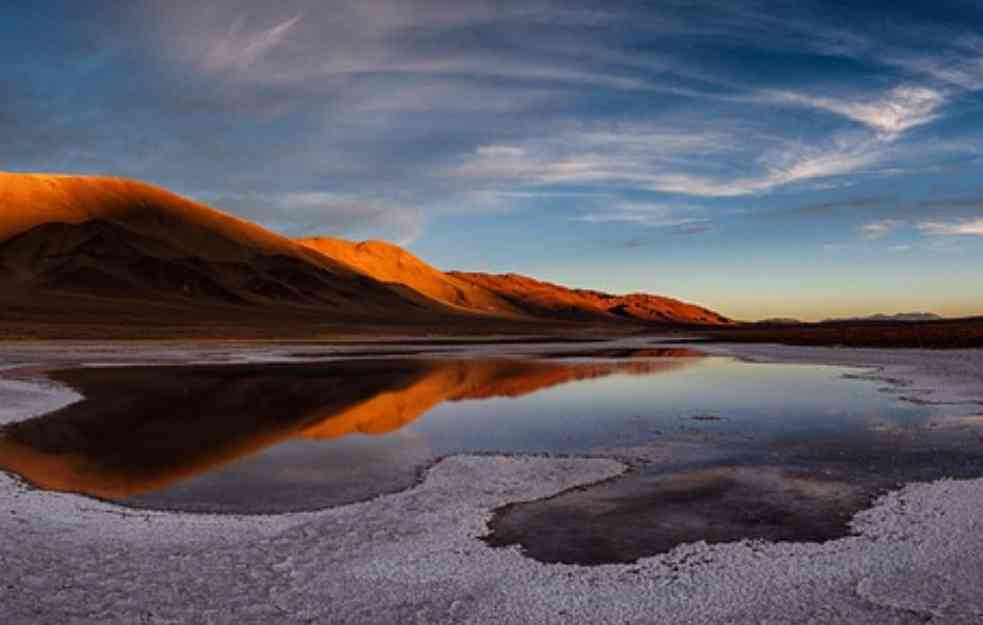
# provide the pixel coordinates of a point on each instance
(116, 239)
(88, 258)
(554, 301)
(938, 334)
(392, 264)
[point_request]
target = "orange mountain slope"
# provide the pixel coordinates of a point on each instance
(111, 237)
(393, 265)
(544, 299)
(509, 294)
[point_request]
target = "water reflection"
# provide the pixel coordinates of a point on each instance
(142, 431)
(723, 449)
(481, 379)
(650, 512)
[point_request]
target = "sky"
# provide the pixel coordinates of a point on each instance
(765, 159)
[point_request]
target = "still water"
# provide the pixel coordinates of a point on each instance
(720, 449)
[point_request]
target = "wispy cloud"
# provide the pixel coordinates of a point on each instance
(969, 227)
(351, 39)
(833, 207)
(504, 103)
(890, 114)
(239, 48)
(957, 63)
(668, 161)
(642, 214)
(880, 228)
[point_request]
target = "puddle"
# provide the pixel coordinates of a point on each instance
(730, 449)
(291, 437)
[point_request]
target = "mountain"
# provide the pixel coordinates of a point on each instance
(911, 316)
(124, 256)
(392, 264)
(544, 299)
(115, 238)
(509, 295)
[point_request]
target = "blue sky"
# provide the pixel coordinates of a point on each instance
(765, 159)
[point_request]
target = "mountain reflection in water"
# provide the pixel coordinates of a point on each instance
(140, 430)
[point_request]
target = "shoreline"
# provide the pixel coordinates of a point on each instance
(416, 554)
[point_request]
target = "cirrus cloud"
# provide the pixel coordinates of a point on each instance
(969, 227)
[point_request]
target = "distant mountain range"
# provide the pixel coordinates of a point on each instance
(87, 243)
(911, 316)
(899, 317)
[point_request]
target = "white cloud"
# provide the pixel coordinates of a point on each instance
(401, 94)
(654, 215)
(971, 227)
(501, 152)
(345, 39)
(239, 49)
(880, 228)
(958, 64)
(890, 115)
(668, 161)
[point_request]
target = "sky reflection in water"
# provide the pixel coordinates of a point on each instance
(271, 438)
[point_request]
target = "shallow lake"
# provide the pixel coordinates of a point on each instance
(720, 449)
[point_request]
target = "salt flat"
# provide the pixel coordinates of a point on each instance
(415, 556)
